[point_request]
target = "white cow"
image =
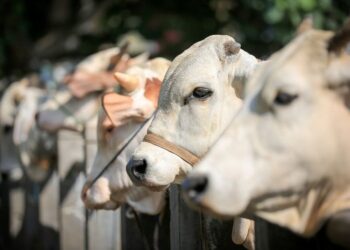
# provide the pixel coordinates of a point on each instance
(285, 155)
(73, 106)
(200, 95)
(9, 109)
(121, 117)
(36, 148)
(12, 97)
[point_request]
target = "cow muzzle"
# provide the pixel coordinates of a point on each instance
(194, 186)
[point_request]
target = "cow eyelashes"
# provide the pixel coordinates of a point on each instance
(200, 93)
(283, 98)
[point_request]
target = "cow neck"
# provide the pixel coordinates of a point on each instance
(179, 151)
(68, 112)
(308, 215)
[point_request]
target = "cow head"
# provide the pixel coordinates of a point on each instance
(63, 111)
(36, 148)
(284, 156)
(200, 94)
(121, 117)
(77, 103)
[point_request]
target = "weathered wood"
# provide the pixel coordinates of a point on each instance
(102, 227)
(4, 211)
(217, 234)
(49, 203)
(185, 224)
(71, 173)
(150, 229)
(104, 230)
(17, 201)
(272, 237)
(194, 230)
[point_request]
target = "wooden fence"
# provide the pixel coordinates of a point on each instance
(50, 215)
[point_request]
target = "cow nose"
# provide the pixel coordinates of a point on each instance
(83, 194)
(36, 117)
(194, 186)
(136, 169)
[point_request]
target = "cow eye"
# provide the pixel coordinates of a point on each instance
(201, 93)
(284, 99)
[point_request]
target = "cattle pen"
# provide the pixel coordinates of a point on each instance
(175, 125)
(50, 214)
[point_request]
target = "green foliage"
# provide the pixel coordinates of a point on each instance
(262, 26)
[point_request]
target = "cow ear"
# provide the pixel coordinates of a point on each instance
(338, 73)
(231, 48)
(152, 90)
(306, 24)
(116, 107)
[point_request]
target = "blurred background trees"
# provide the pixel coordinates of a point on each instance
(41, 30)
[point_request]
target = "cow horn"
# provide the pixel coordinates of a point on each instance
(128, 82)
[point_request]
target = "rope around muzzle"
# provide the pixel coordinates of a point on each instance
(179, 151)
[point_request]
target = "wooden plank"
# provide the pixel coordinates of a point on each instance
(272, 237)
(104, 230)
(185, 224)
(72, 178)
(49, 203)
(103, 227)
(4, 211)
(134, 237)
(194, 230)
(72, 231)
(217, 234)
(117, 222)
(17, 206)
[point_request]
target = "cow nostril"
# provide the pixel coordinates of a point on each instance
(36, 117)
(194, 186)
(137, 169)
(84, 193)
(83, 196)
(140, 167)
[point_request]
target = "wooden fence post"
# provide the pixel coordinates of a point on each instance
(185, 224)
(103, 228)
(71, 173)
(194, 230)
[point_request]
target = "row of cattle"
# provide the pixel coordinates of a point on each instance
(264, 138)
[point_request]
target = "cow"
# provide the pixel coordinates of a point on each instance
(76, 102)
(284, 156)
(121, 117)
(36, 148)
(10, 107)
(36, 113)
(200, 95)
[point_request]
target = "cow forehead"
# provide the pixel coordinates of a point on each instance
(305, 58)
(200, 58)
(198, 64)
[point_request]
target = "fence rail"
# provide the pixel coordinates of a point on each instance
(50, 215)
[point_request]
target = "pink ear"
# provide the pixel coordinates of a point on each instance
(82, 83)
(152, 89)
(117, 107)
